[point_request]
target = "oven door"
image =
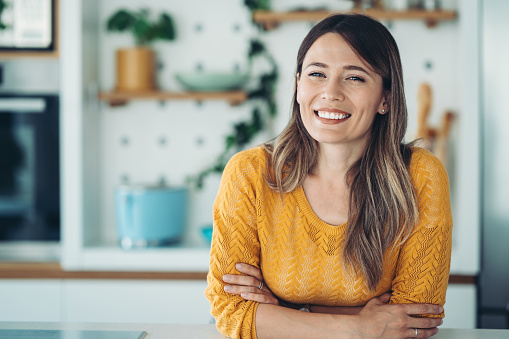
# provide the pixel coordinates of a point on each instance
(29, 169)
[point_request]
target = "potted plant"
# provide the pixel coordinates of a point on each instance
(136, 65)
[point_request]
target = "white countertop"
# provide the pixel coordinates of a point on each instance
(163, 331)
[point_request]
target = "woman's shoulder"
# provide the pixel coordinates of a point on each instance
(424, 165)
(250, 159)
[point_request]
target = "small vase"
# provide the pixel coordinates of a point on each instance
(135, 69)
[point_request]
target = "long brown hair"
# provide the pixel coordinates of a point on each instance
(383, 207)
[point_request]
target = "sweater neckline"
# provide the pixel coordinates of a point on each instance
(315, 221)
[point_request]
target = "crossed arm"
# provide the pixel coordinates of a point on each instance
(377, 319)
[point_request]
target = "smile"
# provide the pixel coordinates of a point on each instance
(332, 116)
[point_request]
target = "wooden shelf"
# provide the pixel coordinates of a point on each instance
(117, 98)
(270, 20)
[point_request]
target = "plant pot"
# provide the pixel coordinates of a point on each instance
(135, 69)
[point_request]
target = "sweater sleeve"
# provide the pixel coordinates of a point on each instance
(235, 239)
(422, 271)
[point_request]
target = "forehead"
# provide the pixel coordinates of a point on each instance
(332, 49)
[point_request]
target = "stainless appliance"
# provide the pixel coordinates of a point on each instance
(29, 168)
(29, 160)
(494, 278)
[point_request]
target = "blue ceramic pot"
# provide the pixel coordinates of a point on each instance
(150, 216)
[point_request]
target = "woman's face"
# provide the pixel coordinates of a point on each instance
(338, 93)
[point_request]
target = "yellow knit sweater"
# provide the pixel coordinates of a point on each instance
(300, 255)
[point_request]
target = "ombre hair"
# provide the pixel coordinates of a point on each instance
(382, 208)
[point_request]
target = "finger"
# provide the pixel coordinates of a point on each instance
(425, 322)
(249, 270)
(244, 280)
(384, 298)
(237, 289)
(377, 301)
(422, 308)
(422, 333)
(260, 297)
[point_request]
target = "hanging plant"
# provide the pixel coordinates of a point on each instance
(262, 97)
(3, 5)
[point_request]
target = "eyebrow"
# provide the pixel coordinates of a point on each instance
(347, 67)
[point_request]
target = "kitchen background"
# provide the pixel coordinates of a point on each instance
(149, 141)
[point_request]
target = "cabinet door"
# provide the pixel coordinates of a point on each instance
(138, 301)
(460, 307)
(30, 300)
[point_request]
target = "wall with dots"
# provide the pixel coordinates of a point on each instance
(147, 142)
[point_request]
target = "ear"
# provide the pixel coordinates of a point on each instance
(383, 108)
(297, 79)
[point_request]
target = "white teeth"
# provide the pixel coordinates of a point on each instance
(333, 116)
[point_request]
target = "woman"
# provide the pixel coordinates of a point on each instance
(337, 217)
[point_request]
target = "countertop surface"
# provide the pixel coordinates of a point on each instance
(163, 331)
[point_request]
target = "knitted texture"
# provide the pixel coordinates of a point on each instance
(300, 255)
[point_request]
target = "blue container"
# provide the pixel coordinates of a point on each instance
(150, 216)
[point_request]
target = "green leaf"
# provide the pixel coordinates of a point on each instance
(120, 21)
(166, 28)
(141, 31)
(255, 48)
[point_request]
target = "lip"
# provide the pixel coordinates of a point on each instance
(331, 121)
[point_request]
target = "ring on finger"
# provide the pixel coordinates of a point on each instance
(416, 332)
(261, 285)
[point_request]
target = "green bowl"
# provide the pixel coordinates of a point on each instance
(211, 82)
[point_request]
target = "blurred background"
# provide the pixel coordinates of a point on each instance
(117, 117)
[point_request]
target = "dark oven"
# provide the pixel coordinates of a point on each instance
(29, 168)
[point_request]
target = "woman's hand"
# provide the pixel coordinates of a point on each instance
(248, 286)
(380, 320)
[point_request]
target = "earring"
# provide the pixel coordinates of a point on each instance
(383, 110)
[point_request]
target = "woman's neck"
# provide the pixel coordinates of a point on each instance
(335, 160)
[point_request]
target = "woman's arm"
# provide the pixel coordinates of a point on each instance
(422, 271)
(375, 320)
(234, 239)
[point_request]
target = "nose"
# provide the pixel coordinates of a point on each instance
(332, 91)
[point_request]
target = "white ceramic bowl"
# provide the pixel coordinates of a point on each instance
(212, 81)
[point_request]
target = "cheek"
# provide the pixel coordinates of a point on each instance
(302, 94)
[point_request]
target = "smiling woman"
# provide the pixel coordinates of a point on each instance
(337, 216)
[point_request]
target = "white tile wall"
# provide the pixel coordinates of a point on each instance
(147, 140)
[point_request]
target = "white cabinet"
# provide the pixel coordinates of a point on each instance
(30, 300)
(112, 301)
(135, 301)
(150, 301)
(460, 307)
